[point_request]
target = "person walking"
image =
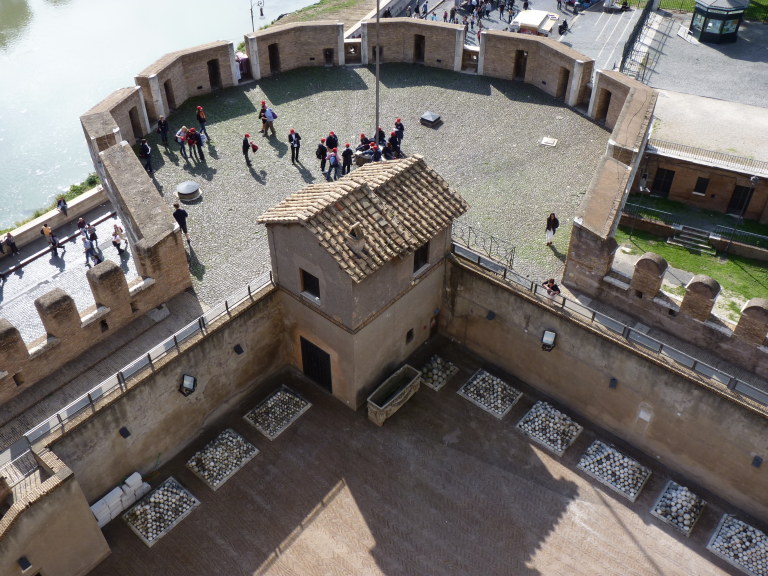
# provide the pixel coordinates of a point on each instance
(322, 154)
(117, 229)
(202, 120)
(552, 225)
(92, 236)
(117, 243)
(145, 152)
(247, 149)
(269, 118)
(346, 159)
(181, 139)
(162, 129)
(10, 241)
(61, 205)
(559, 4)
(180, 215)
(262, 114)
(90, 253)
(294, 139)
(47, 231)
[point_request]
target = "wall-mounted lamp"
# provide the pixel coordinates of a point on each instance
(548, 340)
(491, 315)
(188, 384)
(612, 383)
(757, 461)
(24, 563)
(238, 349)
(124, 432)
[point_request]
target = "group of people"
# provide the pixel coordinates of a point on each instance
(368, 150)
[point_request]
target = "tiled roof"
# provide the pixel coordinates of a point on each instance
(398, 206)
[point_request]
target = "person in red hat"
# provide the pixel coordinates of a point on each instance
(394, 144)
(381, 137)
(332, 141)
(202, 119)
(294, 139)
(364, 144)
(334, 165)
(376, 152)
(247, 148)
(346, 156)
(322, 154)
(400, 131)
(263, 117)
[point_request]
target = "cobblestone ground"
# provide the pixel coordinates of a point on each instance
(488, 149)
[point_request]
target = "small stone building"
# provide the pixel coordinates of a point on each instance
(360, 267)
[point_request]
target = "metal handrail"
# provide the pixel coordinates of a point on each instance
(629, 334)
(116, 382)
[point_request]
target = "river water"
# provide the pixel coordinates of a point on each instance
(58, 58)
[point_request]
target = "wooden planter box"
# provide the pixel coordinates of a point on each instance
(393, 393)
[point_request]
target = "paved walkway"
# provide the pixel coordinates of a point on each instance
(443, 488)
(46, 271)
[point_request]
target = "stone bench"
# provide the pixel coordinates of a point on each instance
(393, 393)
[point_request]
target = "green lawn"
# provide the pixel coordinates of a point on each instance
(748, 278)
(757, 11)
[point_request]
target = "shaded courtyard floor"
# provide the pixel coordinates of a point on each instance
(488, 149)
(443, 488)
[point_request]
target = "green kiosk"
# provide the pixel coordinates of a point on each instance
(717, 21)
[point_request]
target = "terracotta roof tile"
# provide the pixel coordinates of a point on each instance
(398, 205)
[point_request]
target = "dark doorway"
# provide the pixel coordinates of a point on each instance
(521, 60)
(602, 105)
(214, 74)
(419, 47)
(328, 55)
(316, 364)
(739, 200)
(274, 58)
(562, 83)
(169, 97)
(662, 182)
(133, 115)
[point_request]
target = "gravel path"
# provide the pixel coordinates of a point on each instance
(488, 149)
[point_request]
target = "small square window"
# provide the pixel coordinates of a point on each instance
(701, 185)
(421, 257)
(310, 284)
(409, 336)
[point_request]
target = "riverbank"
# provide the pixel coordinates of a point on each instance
(350, 12)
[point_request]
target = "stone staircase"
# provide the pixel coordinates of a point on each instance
(692, 239)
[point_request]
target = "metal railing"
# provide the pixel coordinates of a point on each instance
(741, 236)
(639, 211)
(491, 246)
(635, 50)
(718, 159)
(603, 321)
(116, 382)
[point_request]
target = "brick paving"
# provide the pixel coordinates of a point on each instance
(443, 488)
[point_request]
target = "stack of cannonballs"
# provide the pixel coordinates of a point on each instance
(437, 372)
(490, 393)
(160, 510)
(221, 458)
(679, 507)
(741, 545)
(614, 469)
(277, 412)
(550, 427)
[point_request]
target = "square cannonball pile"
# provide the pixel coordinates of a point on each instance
(549, 427)
(437, 372)
(153, 516)
(490, 393)
(612, 468)
(277, 412)
(741, 545)
(221, 458)
(678, 507)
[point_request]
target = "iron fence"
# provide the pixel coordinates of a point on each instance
(632, 51)
(639, 211)
(116, 383)
(491, 246)
(734, 235)
(605, 322)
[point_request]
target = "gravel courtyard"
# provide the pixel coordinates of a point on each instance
(488, 148)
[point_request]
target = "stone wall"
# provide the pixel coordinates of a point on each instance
(294, 46)
(697, 428)
(52, 527)
(160, 419)
(171, 80)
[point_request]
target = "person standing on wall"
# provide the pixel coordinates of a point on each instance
(180, 215)
(294, 139)
(162, 129)
(552, 225)
(202, 119)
